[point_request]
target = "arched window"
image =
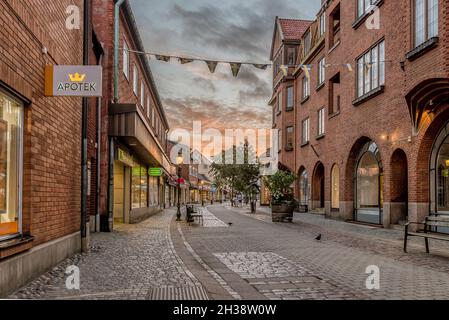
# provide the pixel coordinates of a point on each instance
(335, 187)
(304, 188)
(443, 177)
(369, 185)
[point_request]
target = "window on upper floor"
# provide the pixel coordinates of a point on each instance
(142, 94)
(364, 6)
(279, 140)
(291, 56)
(307, 43)
(321, 122)
(148, 107)
(305, 131)
(425, 20)
(322, 25)
(290, 138)
(290, 98)
(321, 71)
(135, 80)
(153, 118)
(279, 103)
(334, 99)
(305, 87)
(125, 60)
(371, 70)
(277, 63)
(335, 23)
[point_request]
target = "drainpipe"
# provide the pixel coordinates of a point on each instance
(116, 47)
(84, 182)
(109, 223)
(98, 180)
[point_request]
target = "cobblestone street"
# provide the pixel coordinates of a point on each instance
(236, 255)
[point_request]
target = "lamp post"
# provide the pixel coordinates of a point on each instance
(180, 161)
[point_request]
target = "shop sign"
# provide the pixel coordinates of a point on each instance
(125, 158)
(73, 81)
(155, 172)
(139, 171)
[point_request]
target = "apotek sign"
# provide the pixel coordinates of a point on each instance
(73, 81)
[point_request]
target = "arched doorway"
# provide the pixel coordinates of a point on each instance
(439, 176)
(369, 185)
(318, 201)
(399, 188)
(303, 187)
(335, 188)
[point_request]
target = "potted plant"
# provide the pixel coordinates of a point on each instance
(282, 198)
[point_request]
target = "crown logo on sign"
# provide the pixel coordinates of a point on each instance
(77, 77)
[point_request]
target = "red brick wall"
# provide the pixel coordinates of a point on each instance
(385, 119)
(52, 133)
(103, 21)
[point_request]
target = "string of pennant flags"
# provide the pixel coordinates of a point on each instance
(236, 66)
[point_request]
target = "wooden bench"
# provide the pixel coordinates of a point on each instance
(427, 233)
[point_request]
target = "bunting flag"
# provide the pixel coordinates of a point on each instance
(212, 65)
(185, 60)
(284, 69)
(349, 66)
(235, 67)
(306, 69)
(163, 58)
(261, 66)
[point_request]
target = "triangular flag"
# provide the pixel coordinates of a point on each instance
(185, 60)
(212, 65)
(163, 58)
(235, 67)
(261, 66)
(306, 69)
(348, 65)
(284, 69)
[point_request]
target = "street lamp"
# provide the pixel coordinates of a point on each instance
(179, 161)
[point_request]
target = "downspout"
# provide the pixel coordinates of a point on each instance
(99, 105)
(84, 182)
(110, 205)
(117, 47)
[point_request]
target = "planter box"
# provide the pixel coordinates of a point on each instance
(282, 212)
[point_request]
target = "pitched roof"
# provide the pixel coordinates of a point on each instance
(293, 29)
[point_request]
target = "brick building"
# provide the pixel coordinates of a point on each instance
(371, 119)
(40, 142)
(286, 40)
(133, 125)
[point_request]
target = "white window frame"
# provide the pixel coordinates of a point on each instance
(322, 19)
(364, 6)
(279, 103)
(305, 131)
(321, 130)
(425, 20)
(148, 106)
(321, 71)
(371, 69)
(125, 60)
(135, 80)
(305, 87)
(290, 98)
(142, 94)
(288, 146)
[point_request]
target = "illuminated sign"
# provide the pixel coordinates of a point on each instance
(73, 81)
(155, 172)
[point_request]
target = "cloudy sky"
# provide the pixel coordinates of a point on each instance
(230, 30)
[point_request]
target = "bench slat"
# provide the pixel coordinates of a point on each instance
(437, 223)
(438, 218)
(429, 235)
